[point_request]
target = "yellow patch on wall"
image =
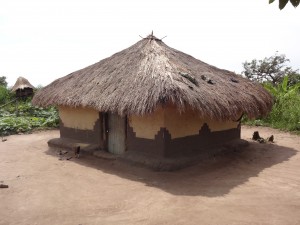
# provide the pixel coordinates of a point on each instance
(179, 125)
(219, 126)
(184, 124)
(78, 118)
(147, 126)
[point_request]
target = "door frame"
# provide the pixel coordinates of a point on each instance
(105, 130)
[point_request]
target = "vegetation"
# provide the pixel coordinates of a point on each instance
(282, 3)
(270, 69)
(25, 118)
(3, 81)
(285, 113)
(4, 94)
(20, 116)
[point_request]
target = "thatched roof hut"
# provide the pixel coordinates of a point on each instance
(162, 93)
(23, 87)
(149, 73)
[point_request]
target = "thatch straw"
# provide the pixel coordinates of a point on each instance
(22, 83)
(150, 73)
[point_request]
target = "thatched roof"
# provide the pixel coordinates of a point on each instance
(22, 83)
(150, 73)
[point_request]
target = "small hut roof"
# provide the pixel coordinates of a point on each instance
(150, 73)
(22, 83)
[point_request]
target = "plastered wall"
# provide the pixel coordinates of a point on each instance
(78, 118)
(179, 125)
(147, 126)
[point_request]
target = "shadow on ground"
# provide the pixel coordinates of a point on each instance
(214, 177)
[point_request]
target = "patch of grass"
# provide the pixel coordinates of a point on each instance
(24, 118)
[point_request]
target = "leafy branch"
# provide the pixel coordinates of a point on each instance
(282, 3)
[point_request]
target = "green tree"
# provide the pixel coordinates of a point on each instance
(282, 3)
(3, 81)
(270, 69)
(294, 78)
(4, 94)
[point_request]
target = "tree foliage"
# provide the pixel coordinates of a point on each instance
(4, 94)
(270, 69)
(3, 81)
(282, 3)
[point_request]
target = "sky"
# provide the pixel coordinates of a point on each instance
(43, 40)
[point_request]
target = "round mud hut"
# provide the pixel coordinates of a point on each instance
(23, 88)
(153, 104)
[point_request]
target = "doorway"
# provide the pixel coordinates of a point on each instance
(116, 125)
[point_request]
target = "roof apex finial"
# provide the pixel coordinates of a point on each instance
(152, 37)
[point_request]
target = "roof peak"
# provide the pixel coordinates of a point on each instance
(152, 37)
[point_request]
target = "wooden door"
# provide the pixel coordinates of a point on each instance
(116, 133)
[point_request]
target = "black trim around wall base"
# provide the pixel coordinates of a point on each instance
(201, 143)
(86, 136)
(146, 146)
(164, 146)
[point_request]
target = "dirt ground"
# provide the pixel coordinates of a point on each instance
(257, 185)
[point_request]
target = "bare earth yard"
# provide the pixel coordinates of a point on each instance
(257, 185)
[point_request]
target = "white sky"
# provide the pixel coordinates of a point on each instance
(43, 40)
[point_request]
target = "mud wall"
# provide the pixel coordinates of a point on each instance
(82, 124)
(178, 124)
(168, 133)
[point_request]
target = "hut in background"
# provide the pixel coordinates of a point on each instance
(154, 103)
(23, 88)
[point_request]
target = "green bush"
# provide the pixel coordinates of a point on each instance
(285, 113)
(23, 117)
